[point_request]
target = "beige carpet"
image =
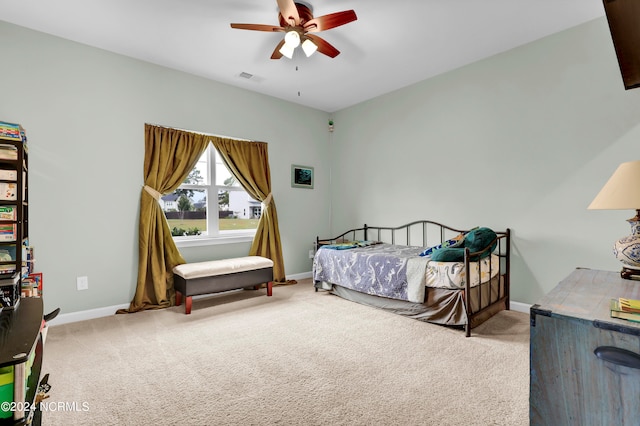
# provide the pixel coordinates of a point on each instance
(297, 358)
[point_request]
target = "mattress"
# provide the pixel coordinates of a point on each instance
(452, 275)
(396, 272)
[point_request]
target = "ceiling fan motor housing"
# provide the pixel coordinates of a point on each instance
(304, 12)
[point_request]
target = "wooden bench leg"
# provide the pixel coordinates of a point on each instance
(187, 305)
(270, 288)
(178, 298)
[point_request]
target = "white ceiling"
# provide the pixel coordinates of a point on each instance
(392, 44)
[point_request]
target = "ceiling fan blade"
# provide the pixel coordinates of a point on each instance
(257, 27)
(323, 46)
(276, 53)
(332, 20)
(289, 12)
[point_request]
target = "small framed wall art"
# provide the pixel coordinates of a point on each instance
(301, 176)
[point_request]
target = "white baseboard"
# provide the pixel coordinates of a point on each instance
(519, 307)
(86, 315)
(111, 310)
(301, 276)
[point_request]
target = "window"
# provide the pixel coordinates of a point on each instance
(210, 206)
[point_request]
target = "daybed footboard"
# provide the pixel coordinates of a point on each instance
(467, 305)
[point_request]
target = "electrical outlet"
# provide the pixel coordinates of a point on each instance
(82, 283)
(310, 254)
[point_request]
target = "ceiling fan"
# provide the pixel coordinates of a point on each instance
(297, 22)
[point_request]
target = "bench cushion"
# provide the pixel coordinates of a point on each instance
(221, 267)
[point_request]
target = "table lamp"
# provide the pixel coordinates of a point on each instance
(622, 191)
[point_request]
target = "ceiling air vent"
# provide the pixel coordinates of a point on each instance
(246, 75)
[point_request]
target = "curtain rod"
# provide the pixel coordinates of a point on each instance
(201, 133)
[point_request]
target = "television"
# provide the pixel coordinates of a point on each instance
(624, 23)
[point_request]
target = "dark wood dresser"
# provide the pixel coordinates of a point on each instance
(585, 366)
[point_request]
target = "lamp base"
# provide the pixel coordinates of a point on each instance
(630, 274)
(627, 250)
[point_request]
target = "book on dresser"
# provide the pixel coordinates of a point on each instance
(617, 312)
(629, 305)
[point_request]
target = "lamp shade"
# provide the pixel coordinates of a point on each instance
(287, 50)
(622, 190)
(309, 47)
(292, 38)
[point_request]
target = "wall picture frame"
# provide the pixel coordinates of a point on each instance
(301, 176)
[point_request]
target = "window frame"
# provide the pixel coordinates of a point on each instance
(213, 223)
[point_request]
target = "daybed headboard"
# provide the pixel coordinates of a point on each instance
(421, 233)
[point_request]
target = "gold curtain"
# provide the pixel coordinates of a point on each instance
(249, 163)
(170, 154)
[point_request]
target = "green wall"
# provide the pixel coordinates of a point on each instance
(524, 140)
(84, 111)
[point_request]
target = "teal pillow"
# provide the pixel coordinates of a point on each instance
(448, 254)
(479, 239)
(476, 240)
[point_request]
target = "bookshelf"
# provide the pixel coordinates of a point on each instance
(14, 214)
(21, 318)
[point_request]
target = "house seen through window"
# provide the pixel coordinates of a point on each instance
(210, 203)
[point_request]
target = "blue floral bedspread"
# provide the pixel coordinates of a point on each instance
(396, 272)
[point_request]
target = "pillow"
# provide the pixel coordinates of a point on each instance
(341, 246)
(456, 241)
(475, 240)
(479, 239)
(448, 254)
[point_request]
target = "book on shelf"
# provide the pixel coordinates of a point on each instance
(28, 258)
(6, 271)
(10, 296)
(8, 253)
(11, 131)
(8, 212)
(8, 231)
(9, 279)
(8, 152)
(8, 174)
(8, 191)
(617, 312)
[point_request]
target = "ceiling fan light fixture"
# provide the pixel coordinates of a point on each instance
(287, 51)
(296, 20)
(292, 39)
(309, 47)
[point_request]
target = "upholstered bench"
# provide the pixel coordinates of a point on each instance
(193, 279)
